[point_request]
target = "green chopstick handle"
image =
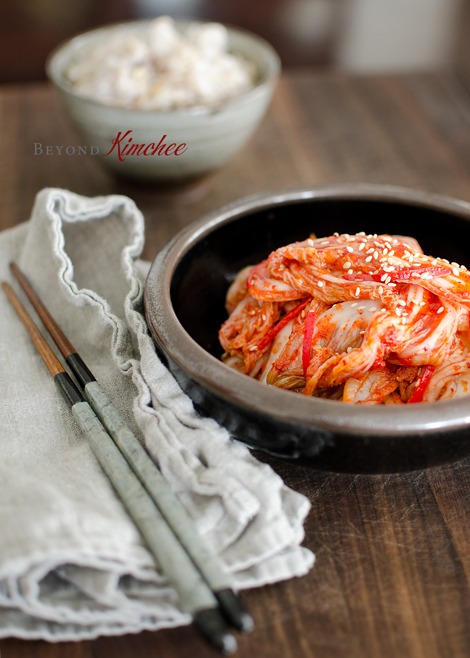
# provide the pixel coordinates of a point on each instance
(169, 505)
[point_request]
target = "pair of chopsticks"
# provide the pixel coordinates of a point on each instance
(203, 587)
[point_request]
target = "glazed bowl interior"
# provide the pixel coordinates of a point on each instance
(185, 306)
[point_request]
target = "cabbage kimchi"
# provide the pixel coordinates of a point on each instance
(355, 318)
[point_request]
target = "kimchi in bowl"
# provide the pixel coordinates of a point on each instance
(185, 300)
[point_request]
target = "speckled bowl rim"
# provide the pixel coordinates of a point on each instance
(284, 406)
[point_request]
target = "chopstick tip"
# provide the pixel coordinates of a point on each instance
(234, 610)
(212, 626)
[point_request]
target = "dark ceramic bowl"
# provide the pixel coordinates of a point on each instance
(184, 300)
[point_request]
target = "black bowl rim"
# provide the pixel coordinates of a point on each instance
(287, 407)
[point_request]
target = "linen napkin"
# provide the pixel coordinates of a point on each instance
(72, 565)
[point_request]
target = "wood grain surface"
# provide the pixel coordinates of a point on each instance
(392, 572)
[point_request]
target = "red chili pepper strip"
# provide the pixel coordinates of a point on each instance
(308, 335)
(404, 274)
(273, 332)
(409, 272)
(421, 386)
(254, 271)
(359, 276)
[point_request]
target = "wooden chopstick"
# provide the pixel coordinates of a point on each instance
(145, 468)
(196, 597)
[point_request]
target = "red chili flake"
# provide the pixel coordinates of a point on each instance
(273, 332)
(308, 335)
(421, 386)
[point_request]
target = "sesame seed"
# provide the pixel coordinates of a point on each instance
(380, 290)
(368, 259)
(384, 277)
(360, 308)
(456, 271)
(310, 242)
(402, 302)
(253, 348)
(362, 246)
(398, 311)
(350, 271)
(422, 303)
(350, 249)
(263, 317)
(358, 291)
(349, 349)
(320, 284)
(388, 279)
(353, 304)
(403, 320)
(440, 309)
(347, 265)
(376, 254)
(370, 251)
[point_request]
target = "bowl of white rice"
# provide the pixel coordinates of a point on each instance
(164, 100)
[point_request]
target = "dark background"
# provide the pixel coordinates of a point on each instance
(359, 36)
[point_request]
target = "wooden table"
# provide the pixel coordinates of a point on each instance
(392, 577)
